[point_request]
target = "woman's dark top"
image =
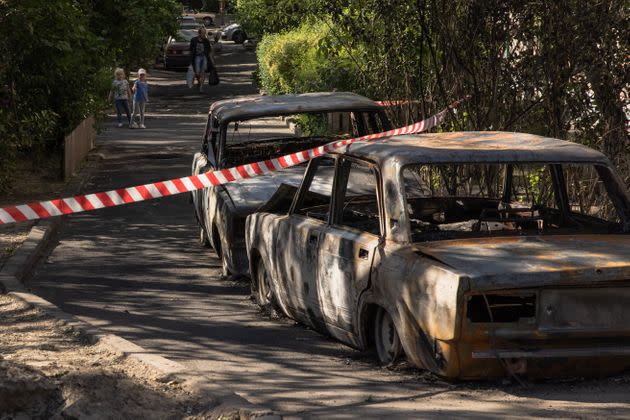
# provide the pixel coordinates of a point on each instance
(199, 47)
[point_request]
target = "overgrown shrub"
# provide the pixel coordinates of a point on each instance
(305, 59)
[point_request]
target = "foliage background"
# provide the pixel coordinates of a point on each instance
(554, 68)
(57, 64)
(306, 59)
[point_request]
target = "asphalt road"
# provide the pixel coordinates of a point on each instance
(136, 271)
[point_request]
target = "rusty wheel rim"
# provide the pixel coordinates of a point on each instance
(388, 347)
(263, 291)
(203, 238)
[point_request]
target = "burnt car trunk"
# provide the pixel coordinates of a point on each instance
(535, 305)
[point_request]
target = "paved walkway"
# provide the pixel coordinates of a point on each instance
(137, 272)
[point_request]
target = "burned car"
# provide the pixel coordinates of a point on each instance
(475, 254)
(247, 130)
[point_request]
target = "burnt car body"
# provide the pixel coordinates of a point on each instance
(221, 211)
(475, 254)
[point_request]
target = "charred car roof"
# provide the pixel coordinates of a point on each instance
(473, 146)
(265, 106)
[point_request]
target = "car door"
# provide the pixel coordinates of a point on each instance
(348, 246)
(204, 161)
(298, 241)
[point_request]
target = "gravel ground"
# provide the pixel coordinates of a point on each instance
(11, 237)
(47, 370)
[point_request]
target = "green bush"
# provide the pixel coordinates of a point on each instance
(306, 59)
(52, 78)
(57, 65)
(312, 125)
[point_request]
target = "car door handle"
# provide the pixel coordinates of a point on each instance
(313, 239)
(363, 253)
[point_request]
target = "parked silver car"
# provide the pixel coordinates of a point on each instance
(475, 254)
(234, 32)
(241, 131)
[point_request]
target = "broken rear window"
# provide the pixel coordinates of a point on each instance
(271, 137)
(472, 199)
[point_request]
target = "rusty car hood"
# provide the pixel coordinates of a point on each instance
(530, 261)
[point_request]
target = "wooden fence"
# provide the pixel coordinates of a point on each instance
(76, 146)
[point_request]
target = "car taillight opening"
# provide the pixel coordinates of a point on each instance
(496, 308)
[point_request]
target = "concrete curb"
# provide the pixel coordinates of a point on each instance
(26, 256)
(226, 404)
(22, 262)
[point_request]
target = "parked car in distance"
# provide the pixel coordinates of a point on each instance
(241, 131)
(189, 22)
(234, 32)
(207, 20)
(177, 50)
(475, 254)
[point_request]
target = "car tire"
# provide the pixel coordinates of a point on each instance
(261, 288)
(218, 249)
(238, 37)
(202, 238)
(386, 339)
(207, 21)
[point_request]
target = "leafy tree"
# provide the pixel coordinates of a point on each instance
(50, 78)
(273, 16)
(57, 62)
(133, 30)
(555, 68)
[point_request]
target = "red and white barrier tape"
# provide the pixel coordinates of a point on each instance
(81, 203)
(395, 103)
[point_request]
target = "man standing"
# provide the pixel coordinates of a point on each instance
(200, 51)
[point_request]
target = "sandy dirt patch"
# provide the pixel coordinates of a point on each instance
(48, 370)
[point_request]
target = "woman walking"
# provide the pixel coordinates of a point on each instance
(201, 53)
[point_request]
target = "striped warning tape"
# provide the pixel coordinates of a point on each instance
(395, 103)
(88, 202)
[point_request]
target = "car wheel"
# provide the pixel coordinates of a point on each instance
(386, 339)
(202, 238)
(261, 287)
(207, 21)
(238, 37)
(216, 244)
